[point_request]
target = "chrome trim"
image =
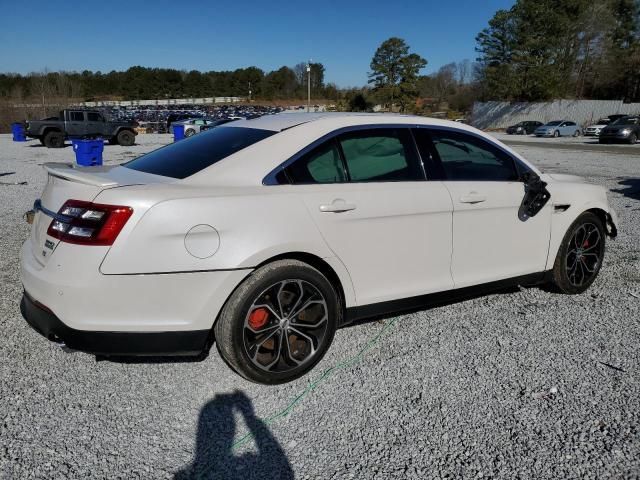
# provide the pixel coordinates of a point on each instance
(37, 206)
(270, 178)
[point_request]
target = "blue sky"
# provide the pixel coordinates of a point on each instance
(216, 35)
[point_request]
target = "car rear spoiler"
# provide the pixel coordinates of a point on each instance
(86, 175)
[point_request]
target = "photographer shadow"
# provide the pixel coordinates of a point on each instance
(214, 457)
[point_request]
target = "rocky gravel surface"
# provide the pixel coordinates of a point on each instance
(519, 384)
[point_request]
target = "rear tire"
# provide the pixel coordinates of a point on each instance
(189, 133)
(126, 138)
(580, 255)
(576, 133)
(260, 335)
(54, 140)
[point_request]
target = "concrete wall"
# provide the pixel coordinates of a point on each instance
(489, 115)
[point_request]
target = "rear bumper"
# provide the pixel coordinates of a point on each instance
(111, 343)
(156, 314)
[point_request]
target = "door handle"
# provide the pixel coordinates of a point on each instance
(473, 198)
(337, 206)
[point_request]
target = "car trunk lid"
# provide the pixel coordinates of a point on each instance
(67, 181)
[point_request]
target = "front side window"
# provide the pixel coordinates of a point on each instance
(465, 157)
(380, 155)
(94, 117)
(186, 157)
(77, 116)
(320, 165)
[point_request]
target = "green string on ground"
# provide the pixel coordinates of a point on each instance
(311, 386)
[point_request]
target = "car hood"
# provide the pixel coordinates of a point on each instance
(597, 126)
(562, 178)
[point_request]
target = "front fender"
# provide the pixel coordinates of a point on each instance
(562, 219)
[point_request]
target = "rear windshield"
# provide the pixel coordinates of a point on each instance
(186, 157)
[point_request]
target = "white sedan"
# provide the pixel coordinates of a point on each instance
(266, 235)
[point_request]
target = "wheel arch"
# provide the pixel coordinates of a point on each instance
(46, 130)
(319, 264)
(560, 227)
(310, 259)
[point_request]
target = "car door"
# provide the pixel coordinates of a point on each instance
(95, 124)
(76, 126)
(568, 128)
(367, 195)
(490, 241)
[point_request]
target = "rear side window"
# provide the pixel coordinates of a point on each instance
(380, 155)
(465, 157)
(320, 165)
(186, 157)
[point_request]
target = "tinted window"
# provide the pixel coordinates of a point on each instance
(77, 116)
(553, 124)
(94, 117)
(380, 155)
(189, 156)
(465, 157)
(320, 165)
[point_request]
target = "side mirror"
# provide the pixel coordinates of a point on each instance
(535, 198)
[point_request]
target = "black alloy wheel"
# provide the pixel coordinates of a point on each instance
(580, 255)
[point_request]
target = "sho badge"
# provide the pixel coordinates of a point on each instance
(48, 244)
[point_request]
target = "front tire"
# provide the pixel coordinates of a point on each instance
(54, 140)
(126, 138)
(279, 322)
(580, 255)
(189, 133)
(633, 138)
(556, 134)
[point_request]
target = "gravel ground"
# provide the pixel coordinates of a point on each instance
(521, 384)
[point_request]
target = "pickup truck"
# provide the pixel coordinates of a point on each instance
(53, 131)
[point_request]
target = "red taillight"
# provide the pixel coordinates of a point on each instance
(87, 223)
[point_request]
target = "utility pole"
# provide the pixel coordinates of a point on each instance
(308, 85)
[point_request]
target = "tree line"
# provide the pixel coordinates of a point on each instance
(545, 49)
(139, 83)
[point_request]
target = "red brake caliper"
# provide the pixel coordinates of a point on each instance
(258, 318)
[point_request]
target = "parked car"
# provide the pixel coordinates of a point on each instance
(558, 128)
(53, 131)
(178, 117)
(196, 125)
(594, 130)
(216, 123)
(523, 128)
(625, 129)
(269, 234)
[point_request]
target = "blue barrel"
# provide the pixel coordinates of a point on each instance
(17, 129)
(88, 152)
(178, 132)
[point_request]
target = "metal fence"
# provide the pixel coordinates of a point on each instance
(489, 115)
(168, 101)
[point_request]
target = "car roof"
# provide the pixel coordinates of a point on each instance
(296, 132)
(284, 121)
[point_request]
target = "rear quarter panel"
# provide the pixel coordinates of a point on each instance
(252, 229)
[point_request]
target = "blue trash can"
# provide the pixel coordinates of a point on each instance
(17, 129)
(178, 132)
(88, 152)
